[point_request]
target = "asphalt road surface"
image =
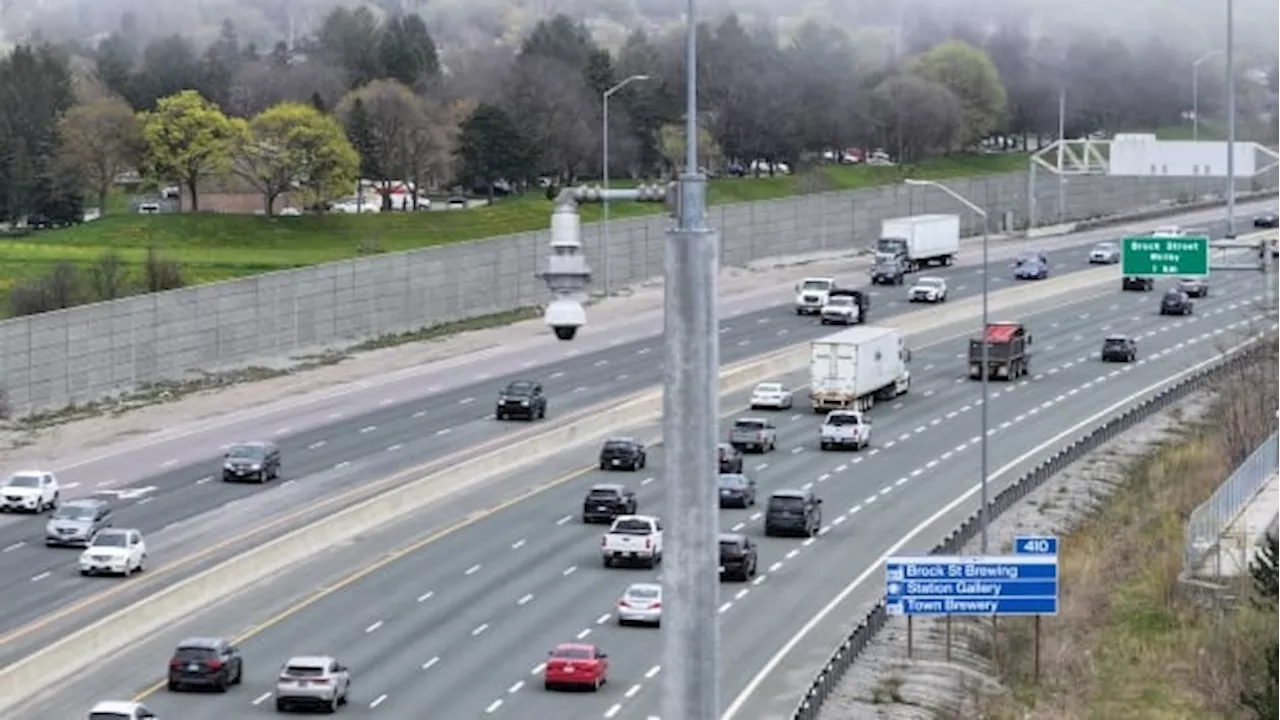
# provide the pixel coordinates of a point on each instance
(185, 508)
(462, 625)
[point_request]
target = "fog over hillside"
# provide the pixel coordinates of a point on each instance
(455, 23)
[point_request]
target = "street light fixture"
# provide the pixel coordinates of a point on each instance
(1195, 91)
(604, 244)
(982, 512)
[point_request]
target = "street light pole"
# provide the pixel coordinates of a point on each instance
(986, 273)
(1231, 120)
(690, 398)
(1195, 92)
(604, 133)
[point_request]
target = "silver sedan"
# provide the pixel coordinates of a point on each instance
(771, 395)
(641, 604)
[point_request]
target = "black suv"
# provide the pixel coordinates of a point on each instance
(1119, 348)
(736, 490)
(258, 461)
(730, 458)
(606, 501)
(1176, 302)
(206, 662)
(521, 399)
(1140, 284)
(793, 512)
(622, 453)
(737, 557)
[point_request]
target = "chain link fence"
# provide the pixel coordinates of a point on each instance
(1208, 521)
(852, 646)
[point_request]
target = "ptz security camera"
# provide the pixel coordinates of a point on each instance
(564, 316)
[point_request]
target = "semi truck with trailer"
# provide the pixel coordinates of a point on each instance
(854, 368)
(920, 240)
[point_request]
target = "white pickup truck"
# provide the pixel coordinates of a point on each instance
(845, 428)
(633, 539)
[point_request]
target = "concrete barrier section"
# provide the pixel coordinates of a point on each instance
(83, 354)
(72, 653)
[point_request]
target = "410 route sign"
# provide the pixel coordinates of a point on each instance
(1150, 255)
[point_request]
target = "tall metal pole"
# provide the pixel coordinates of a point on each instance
(604, 210)
(604, 136)
(1231, 120)
(1062, 139)
(983, 517)
(691, 638)
(1195, 92)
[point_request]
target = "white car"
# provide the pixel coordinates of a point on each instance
(1106, 253)
(31, 491)
(115, 552)
(842, 309)
(1168, 231)
(928, 289)
(121, 710)
(641, 604)
(771, 395)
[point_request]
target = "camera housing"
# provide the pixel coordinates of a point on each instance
(564, 316)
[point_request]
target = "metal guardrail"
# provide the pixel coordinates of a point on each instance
(848, 651)
(1213, 516)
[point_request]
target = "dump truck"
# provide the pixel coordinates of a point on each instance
(854, 368)
(1008, 352)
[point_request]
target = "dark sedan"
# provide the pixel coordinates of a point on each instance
(1266, 220)
(737, 491)
(622, 454)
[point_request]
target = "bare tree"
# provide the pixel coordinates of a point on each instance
(260, 84)
(101, 139)
(549, 100)
(397, 123)
(917, 116)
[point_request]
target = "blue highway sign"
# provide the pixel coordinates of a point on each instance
(1020, 584)
(1035, 545)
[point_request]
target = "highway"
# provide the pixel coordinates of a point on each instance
(185, 509)
(461, 625)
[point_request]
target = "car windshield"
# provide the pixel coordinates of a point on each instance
(840, 300)
(631, 527)
(1173, 296)
(1104, 247)
(733, 481)
(194, 654)
(929, 282)
(1114, 342)
(749, 425)
(74, 512)
(250, 452)
(108, 716)
(730, 546)
(768, 388)
(786, 503)
(603, 493)
(842, 420)
(109, 540)
(571, 654)
(815, 285)
(303, 671)
(24, 481)
(617, 445)
(519, 388)
(643, 593)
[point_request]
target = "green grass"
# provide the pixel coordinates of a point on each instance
(213, 247)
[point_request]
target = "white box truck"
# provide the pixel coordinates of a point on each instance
(853, 368)
(921, 240)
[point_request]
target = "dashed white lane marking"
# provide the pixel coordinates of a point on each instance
(41, 576)
(603, 619)
(631, 691)
(537, 669)
(394, 448)
(493, 707)
(15, 546)
(430, 663)
(262, 698)
(515, 688)
(564, 519)
(316, 445)
(525, 599)
(725, 607)
(583, 634)
(517, 544)
(569, 570)
(466, 401)
(648, 674)
(373, 628)
(378, 701)
(341, 465)
(420, 414)
(556, 375)
(479, 629)
(601, 363)
(472, 570)
(426, 596)
(368, 429)
(168, 463)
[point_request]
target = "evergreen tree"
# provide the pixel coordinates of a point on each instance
(1264, 568)
(360, 133)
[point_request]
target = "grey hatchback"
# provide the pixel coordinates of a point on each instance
(76, 522)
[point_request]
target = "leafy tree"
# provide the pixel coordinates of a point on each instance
(169, 66)
(393, 112)
(406, 51)
(221, 60)
(293, 146)
(360, 134)
(560, 38)
(553, 107)
(114, 61)
(970, 75)
(671, 141)
(491, 148)
(648, 105)
(349, 39)
(36, 85)
(1264, 569)
(188, 139)
(102, 139)
(1265, 701)
(917, 116)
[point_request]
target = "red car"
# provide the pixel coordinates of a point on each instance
(576, 665)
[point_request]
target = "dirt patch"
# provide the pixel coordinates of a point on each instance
(1126, 644)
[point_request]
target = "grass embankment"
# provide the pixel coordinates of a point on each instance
(212, 247)
(1127, 645)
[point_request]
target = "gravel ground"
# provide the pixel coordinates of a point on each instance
(886, 685)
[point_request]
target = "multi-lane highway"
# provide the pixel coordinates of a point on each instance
(184, 509)
(460, 626)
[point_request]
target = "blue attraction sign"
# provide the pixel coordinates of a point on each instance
(1025, 583)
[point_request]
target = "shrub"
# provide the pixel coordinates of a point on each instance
(161, 273)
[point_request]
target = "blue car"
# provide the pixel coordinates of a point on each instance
(1031, 269)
